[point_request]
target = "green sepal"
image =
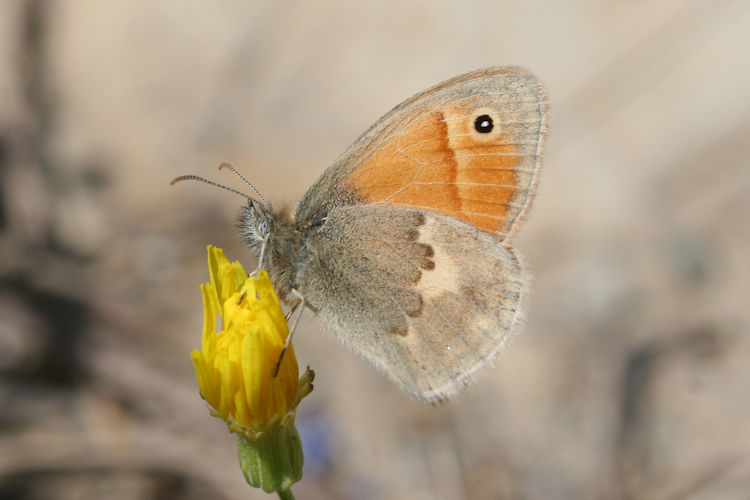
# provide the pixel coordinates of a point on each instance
(273, 461)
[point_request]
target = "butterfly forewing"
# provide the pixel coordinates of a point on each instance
(469, 148)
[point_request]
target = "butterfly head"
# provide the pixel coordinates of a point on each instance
(272, 235)
(255, 223)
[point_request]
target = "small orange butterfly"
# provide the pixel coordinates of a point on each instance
(402, 247)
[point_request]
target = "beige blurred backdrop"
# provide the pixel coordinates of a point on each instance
(631, 378)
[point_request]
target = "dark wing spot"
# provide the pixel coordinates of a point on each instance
(477, 294)
(412, 235)
(428, 250)
(421, 219)
(417, 277)
(428, 265)
(400, 330)
(418, 311)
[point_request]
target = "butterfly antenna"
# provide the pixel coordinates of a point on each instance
(265, 204)
(201, 179)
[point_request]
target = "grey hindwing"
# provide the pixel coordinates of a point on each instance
(427, 298)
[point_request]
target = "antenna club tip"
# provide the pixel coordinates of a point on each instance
(225, 165)
(174, 181)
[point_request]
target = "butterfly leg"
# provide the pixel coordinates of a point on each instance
(292, 309)
(260, 257)
(288, 342)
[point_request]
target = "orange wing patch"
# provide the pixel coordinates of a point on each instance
(414, 168)
(442, 163)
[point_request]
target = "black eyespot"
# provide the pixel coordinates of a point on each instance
(483, 124)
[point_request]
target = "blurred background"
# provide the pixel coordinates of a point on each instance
(631, 378)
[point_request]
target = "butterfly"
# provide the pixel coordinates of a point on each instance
(402, 247)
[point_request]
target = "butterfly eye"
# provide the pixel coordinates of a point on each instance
(483, 124)
(263, 227)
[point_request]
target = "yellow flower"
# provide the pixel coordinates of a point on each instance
(235, 366)
(235, 371)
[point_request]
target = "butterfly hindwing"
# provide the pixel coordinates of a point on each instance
(425, 297)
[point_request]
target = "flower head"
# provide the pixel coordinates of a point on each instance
(235, 371)
(235, 366)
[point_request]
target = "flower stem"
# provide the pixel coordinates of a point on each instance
(286, 494)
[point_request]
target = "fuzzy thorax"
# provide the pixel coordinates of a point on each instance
(280, 255)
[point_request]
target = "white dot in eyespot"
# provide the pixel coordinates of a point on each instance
(447, 348)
